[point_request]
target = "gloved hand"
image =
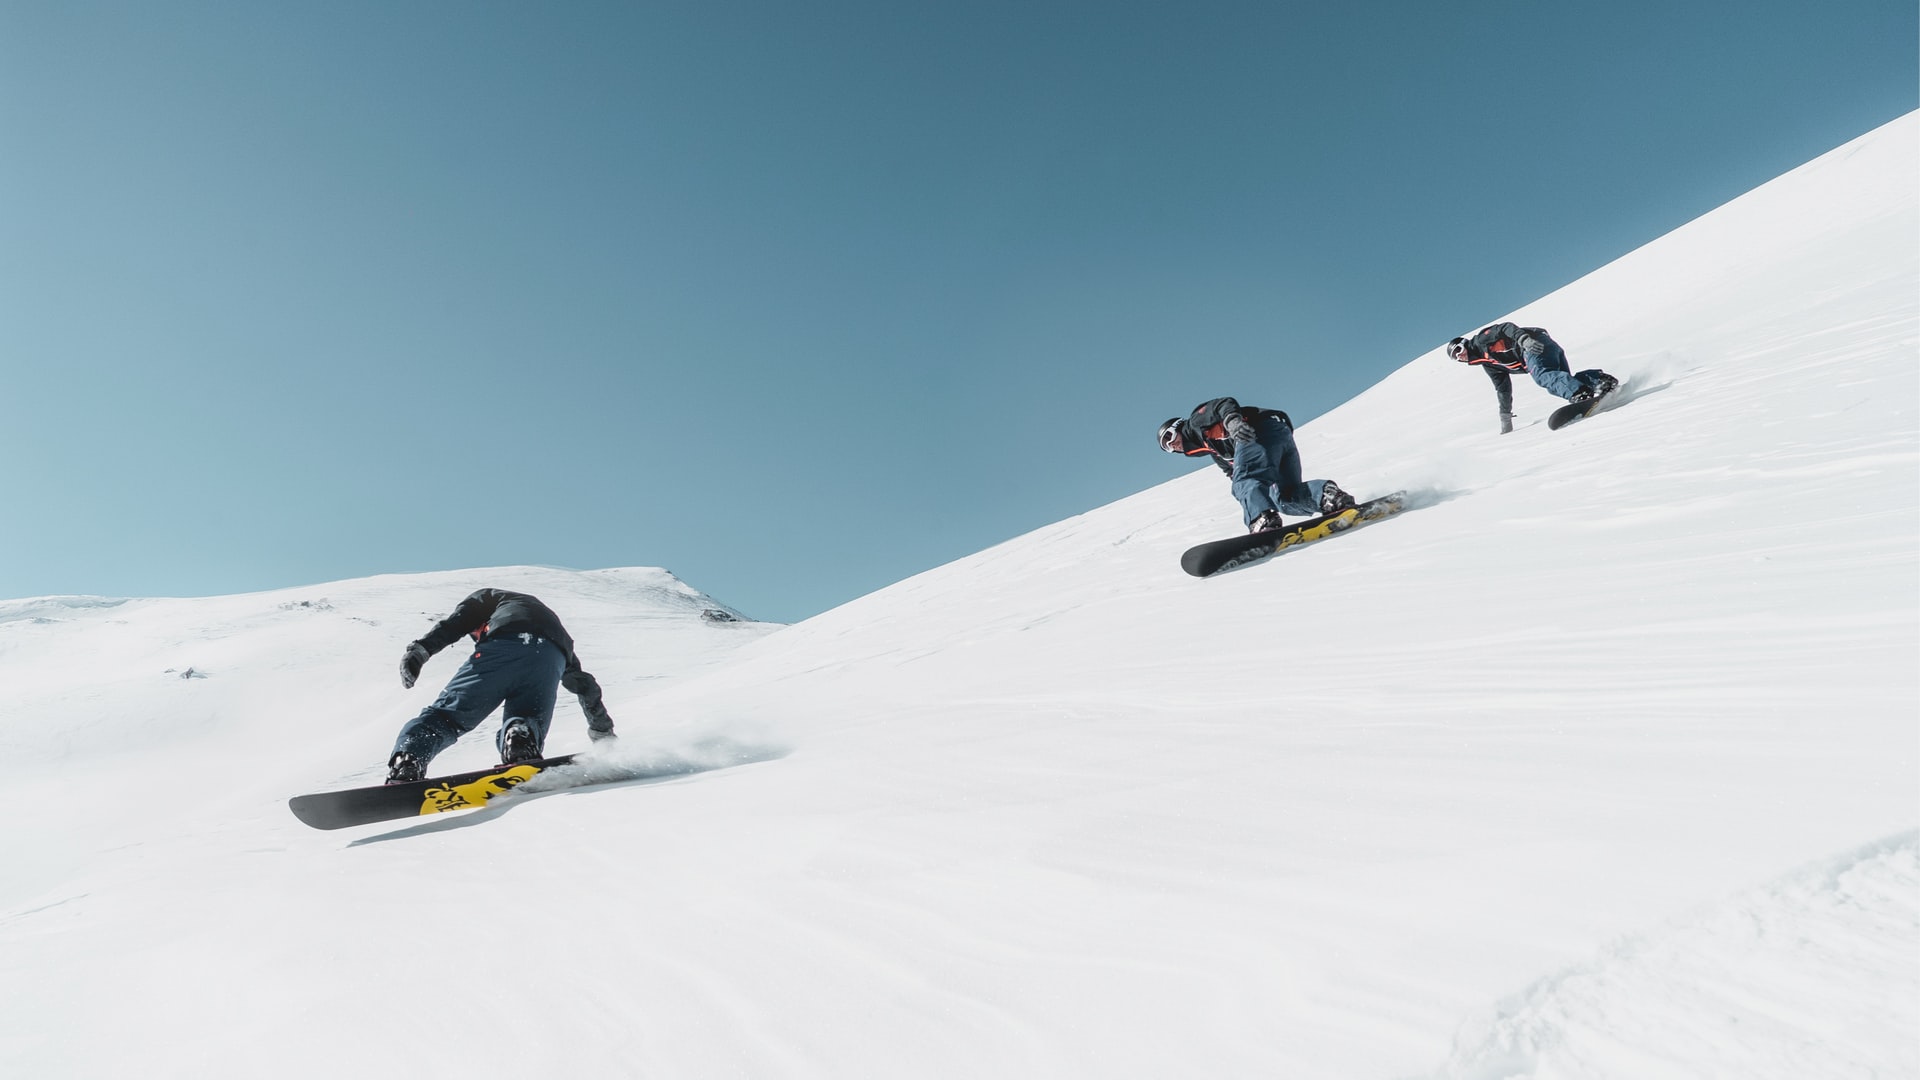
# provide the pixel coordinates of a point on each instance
(411, 663)
(586, 689)
(1506, 423)
(599, 722)
(1239, 430)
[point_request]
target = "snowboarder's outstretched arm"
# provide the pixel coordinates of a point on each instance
(471, 615)
(1502, 389)
(586, 689)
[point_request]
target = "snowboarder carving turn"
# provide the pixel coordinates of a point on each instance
(1504, 349)
(522, 655)
(1255, 448)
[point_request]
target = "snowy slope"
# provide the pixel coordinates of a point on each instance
(1602, 762)
(118, 701)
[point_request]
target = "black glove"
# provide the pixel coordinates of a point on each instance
(1506, 423)
(1239, 430)
(586, 688)
(411, 663)
(599, 723)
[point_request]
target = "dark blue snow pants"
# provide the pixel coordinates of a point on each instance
(1266, 474)
(521, 670)
(1547, 363)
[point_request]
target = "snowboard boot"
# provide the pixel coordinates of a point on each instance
(1333, 499)
(1602, 386)
(1269, 521)
(404, 768)
(517, 744)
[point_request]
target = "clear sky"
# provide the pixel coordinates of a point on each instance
(792, 299)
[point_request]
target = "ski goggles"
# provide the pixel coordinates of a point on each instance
(1170, 440)
(1457, 348)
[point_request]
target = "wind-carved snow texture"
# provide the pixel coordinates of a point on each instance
(1816, 974)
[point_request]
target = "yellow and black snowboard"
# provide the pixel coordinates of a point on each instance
(1219, 556)
(393, 802)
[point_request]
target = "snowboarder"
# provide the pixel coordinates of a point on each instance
(522, 654)
(1504, 349)
(1255, 448)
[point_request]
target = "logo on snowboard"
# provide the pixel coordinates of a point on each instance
(449, 797)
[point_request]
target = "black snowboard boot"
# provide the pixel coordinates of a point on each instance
(1333, 499)
(404, 768)
(517, 743)
(1602, 386)
(1266, 522)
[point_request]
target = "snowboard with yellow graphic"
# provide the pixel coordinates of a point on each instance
(392, 802)
(1219, 556)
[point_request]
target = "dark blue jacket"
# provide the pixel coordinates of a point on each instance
(499, 613)
(1499, 350)
(1205, 431)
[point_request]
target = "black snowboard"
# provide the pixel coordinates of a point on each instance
(362, 806)
(1579, 410)
(1235, 551)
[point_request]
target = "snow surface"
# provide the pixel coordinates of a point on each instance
(1601, 762)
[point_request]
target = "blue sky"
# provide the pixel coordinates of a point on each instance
(794, 300)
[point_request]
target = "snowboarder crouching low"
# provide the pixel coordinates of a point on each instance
(1504, 349)
(1255, 448)
(522, 654)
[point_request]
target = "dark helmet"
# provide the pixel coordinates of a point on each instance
(1170, 438)
(1457, 348)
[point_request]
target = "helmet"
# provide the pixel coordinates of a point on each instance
(1170, 438)
(1457, 348)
